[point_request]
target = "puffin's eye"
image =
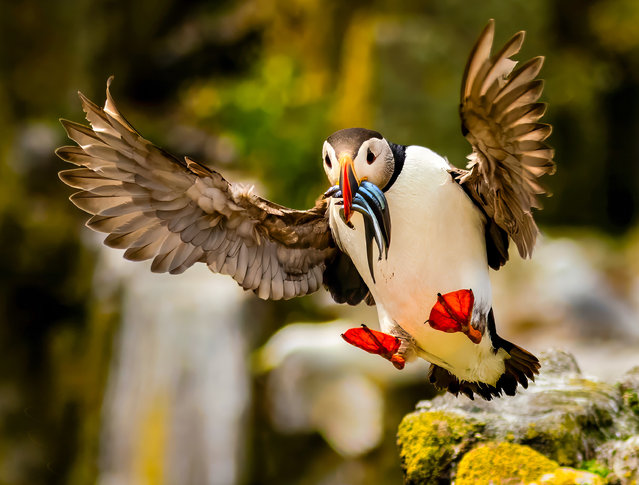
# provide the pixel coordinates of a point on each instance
(370, 156)
(327, 161)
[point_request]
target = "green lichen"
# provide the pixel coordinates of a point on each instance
(631, 401)
(558, 437)
(593, 466)
(503, 462)
(564, 440)
(429, 442)
(531, 432)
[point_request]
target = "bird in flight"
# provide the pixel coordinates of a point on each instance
(399, 227)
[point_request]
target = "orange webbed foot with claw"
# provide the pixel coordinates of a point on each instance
(375, 342)
(453, 312)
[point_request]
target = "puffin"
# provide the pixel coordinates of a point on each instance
(399, 228)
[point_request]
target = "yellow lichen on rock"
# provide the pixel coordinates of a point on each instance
(430, 441)
(569, 476)
(494, 463)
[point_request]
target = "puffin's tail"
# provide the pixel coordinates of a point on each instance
(521, 366)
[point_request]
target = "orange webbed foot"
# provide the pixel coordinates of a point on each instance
(375, 342)
(453, 312)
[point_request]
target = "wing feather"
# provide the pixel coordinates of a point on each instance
(500, 114)
(178, 212)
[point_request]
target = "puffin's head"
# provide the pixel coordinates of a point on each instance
(362, 163)
(353, 155)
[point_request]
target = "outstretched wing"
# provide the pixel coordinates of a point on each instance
(500, 113)
(179, 213)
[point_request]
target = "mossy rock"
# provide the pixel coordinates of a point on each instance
(569, 419)
(429, 443)
(563, 415)
(503, 463)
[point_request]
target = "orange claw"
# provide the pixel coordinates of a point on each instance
(398, 361)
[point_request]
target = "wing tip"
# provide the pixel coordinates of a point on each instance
(488, 32)
(63, 175)
(60, 150)
(82, 97)
(518, 40)
(89, 106)
(109, 104)
(71, 126)
(78, 199)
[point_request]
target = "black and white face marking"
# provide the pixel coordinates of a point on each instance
(371, 155)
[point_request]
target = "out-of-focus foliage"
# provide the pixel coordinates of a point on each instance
(255, 87)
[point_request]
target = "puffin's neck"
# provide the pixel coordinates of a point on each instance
(399, 154)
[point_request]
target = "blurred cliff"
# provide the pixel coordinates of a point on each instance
(114, 375)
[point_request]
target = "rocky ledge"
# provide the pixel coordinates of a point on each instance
(563, 429)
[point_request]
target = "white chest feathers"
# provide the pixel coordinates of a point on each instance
(437, 246)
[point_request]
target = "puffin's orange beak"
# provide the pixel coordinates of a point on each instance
(348, 183)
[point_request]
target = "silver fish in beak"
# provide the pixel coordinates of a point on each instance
(367, 199)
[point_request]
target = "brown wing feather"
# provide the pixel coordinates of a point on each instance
(500, 114)
(178, 213)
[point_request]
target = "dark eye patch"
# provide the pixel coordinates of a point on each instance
(327, 160)
(370, 156)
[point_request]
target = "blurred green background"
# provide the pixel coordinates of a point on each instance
(253, 88)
